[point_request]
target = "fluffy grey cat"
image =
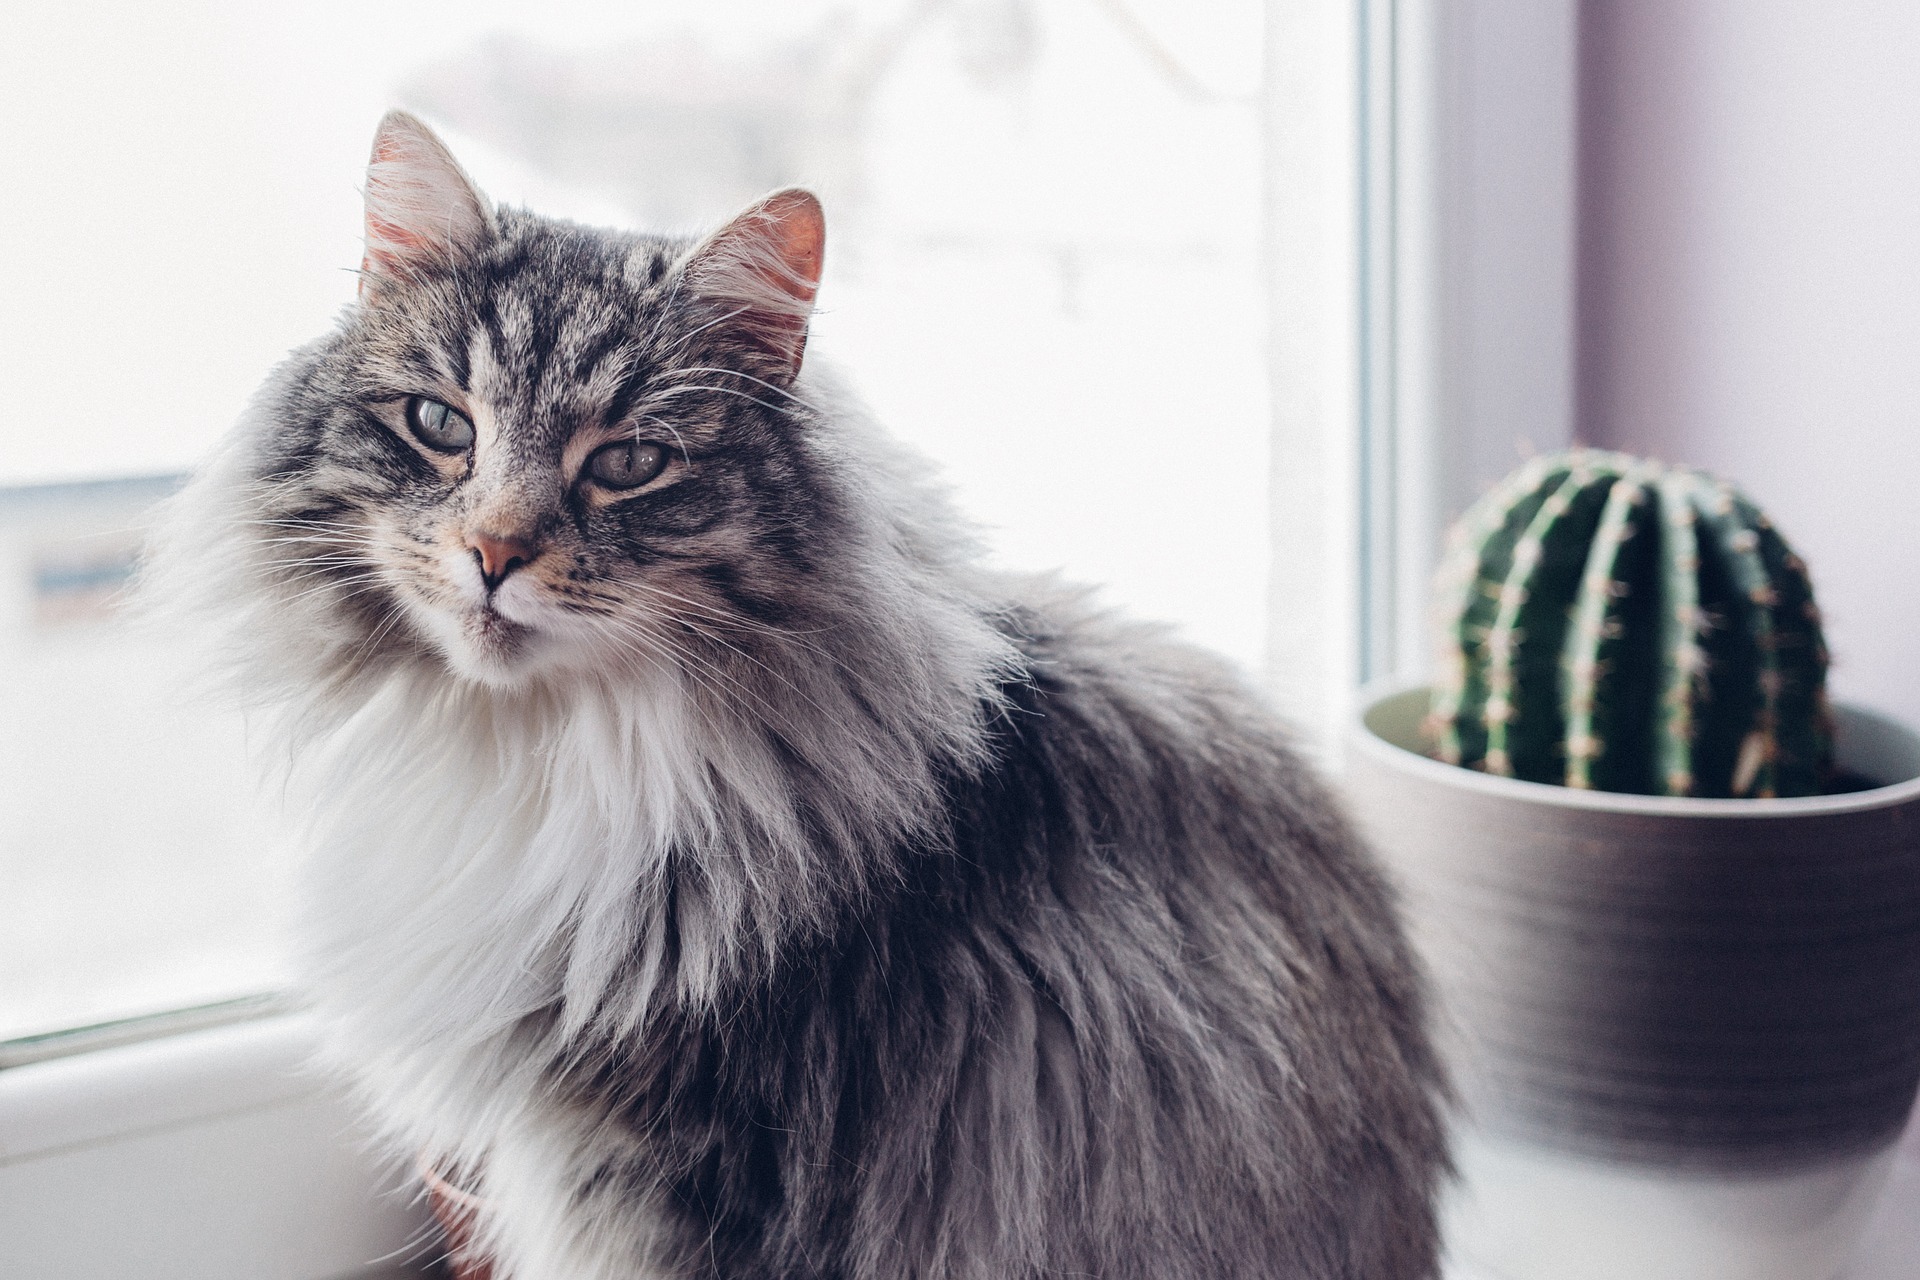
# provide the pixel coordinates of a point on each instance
(717, 863)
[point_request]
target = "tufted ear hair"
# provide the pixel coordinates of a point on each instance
(423, 213)
(765, 265)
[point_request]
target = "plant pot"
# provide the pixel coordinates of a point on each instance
(1685, 1033)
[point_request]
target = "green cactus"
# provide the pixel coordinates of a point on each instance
(1613, 623)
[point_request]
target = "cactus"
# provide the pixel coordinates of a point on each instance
(1613, 623)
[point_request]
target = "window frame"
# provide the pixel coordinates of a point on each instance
(1421, 219)
(1468, 207)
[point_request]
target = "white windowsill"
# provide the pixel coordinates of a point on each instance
(217, 1155)
(208, 1155)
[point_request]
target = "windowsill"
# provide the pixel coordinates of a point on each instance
(218, 1153)
(123, 1092)
(205, 1155)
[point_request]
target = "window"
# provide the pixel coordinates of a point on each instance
(140, 859)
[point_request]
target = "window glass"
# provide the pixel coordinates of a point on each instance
(138, 860)
(1043, 220)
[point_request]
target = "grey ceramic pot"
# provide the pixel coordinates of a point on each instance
(1717, 990)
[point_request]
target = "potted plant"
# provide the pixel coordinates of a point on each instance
(1669, 899)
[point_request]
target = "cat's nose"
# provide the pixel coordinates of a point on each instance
(499, 555)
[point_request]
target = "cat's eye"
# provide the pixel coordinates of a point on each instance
(439, 426)
(626, 464)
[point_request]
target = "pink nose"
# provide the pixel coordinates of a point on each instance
(499, 555)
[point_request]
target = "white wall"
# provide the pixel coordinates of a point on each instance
(1750, 282)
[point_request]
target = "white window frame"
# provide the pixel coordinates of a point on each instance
(1469, 145)
(1421, 267)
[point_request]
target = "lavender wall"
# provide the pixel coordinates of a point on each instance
(1749, 282)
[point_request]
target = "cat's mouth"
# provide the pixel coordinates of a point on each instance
(489, 627)
(488, 620)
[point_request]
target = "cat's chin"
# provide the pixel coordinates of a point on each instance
(486, 647)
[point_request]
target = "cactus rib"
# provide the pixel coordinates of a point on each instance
(1484, 550)
(1607, 658)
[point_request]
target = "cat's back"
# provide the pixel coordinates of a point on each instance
(1173, 758)
(1231, 1001)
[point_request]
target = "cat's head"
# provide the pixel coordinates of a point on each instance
(534, 447)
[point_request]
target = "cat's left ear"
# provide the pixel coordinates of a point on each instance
(766, 265)
(423, 213)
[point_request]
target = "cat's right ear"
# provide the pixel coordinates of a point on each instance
(423, 213)
(765, 266)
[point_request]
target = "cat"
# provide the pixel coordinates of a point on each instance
(719, 865)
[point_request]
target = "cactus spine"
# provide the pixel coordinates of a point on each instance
(1613, 623)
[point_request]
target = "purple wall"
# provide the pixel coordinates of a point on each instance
(1749, 282)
